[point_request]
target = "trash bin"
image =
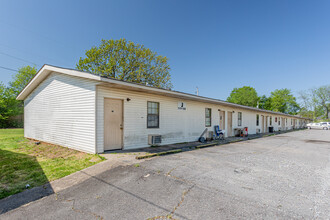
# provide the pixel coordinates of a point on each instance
(270, 129)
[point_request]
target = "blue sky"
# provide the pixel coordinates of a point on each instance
(215, 45)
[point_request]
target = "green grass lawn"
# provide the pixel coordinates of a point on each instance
(23, 162)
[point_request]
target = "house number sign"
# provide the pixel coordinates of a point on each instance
(182, 106)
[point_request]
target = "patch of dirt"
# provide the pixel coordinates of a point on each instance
(94, 159)
(51, 151)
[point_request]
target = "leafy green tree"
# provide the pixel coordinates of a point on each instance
(245, 95)
(303, 112)
(21, 79)
(265, 103)
(9, 106)
(321, 97)
(125, 60)
(317, 100)
(3, 106)
(283, 101)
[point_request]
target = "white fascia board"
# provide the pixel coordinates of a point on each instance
(177, 94)
(45, 71)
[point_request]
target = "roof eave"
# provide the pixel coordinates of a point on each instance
(42, 74)
(47, 69)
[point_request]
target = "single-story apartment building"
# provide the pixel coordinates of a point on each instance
(94, 114)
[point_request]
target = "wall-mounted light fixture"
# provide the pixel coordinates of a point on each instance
(128, 99)
(219, 110)
(233, 111)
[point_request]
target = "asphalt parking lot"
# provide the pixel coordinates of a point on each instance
(285, 176)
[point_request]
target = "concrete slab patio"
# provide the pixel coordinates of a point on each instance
(277, 177)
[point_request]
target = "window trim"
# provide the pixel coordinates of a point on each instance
(239, 119)
(153, 114)
(206, 125)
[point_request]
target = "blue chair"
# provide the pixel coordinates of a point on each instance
(219, 134)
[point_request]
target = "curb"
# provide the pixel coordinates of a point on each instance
(207, 145)
(158, 154)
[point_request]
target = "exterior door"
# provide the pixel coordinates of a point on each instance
(113, 124)
(262, 124)
(229, 124)
(222, 120)
(267, 117)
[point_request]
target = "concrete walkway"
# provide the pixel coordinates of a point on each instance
(188, 146)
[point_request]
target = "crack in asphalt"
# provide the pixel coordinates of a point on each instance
(83, 212)
(75, 209)
(182, 199)
(170, 215)
(128, 192)
(169, 172)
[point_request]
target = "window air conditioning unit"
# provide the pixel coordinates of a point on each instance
(154, 139)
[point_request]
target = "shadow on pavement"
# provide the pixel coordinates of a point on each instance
(12, 167)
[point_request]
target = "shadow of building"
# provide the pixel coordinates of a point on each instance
(11, 164)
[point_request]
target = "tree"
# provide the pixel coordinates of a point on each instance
(22, 78)
(3, 105)
(303, 112)
(321, 97)
(317, 100)
(265, 103)
(283, 101)
(245, 95)
(9, 106)
(6, 106)
(125, 60)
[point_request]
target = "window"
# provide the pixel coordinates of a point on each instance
(270, 120)
(279, 121)
(239, 119)
(257, 119)
(207, 117)
(286, 121)
(153, 115)
(291, 121)
(275, 119)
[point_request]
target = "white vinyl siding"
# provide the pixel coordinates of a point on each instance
(61, 110)
(174, 125)
(69, 111)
